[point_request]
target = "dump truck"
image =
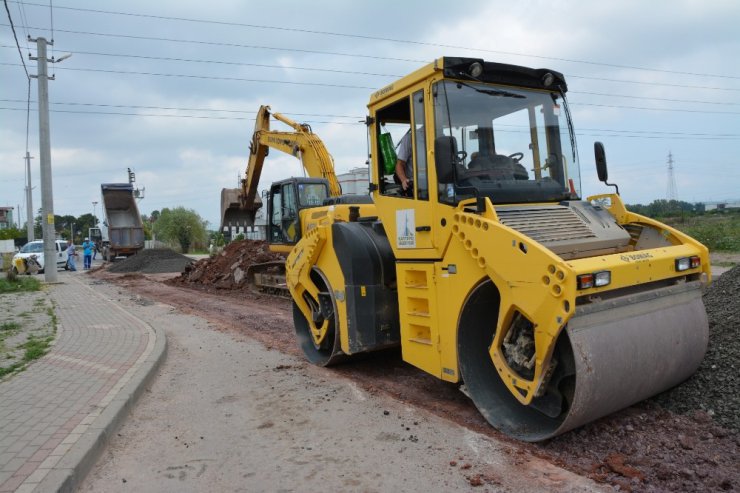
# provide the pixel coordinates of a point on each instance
(487, 267)
(122, 220)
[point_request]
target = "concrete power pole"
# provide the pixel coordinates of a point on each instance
(47, 196)
(29, 200)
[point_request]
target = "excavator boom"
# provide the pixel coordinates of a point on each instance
(301, 143)
(239, 205)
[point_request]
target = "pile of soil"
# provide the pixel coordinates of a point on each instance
(715, 387)
(154, 261)
(228, 269)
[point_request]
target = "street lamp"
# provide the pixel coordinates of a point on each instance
(95, 219)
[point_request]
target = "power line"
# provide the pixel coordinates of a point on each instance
(342, 86)
(197, 117)
(359, 117)
(364, 56)
(211, 77)
(580, 132)
(393, 40)
(351, 72)
(24, 19)
(51, 22)
(652, 98)
(17, 44)
(223, 62)
(663, 84)
(251, 112)
(655, 109)
(233, 45)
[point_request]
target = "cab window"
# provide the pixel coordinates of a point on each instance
(394, 123)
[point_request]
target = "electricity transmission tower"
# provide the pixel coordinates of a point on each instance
(672, 190)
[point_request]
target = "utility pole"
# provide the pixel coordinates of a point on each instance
(47, 196)
(29, 200)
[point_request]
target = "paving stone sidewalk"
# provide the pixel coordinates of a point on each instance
(56, 415)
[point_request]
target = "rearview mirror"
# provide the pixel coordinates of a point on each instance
(600, 156)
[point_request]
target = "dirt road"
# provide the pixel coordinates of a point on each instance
(226, 413)
(643, 448)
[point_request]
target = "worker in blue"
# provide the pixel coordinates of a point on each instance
(87, 249)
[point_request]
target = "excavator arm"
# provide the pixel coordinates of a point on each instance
(301, 142)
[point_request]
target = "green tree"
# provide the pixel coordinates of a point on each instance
(180, 226)
(146, 224)
(63, 225)
(12, 233)
(84, 223)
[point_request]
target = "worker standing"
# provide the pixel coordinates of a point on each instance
(87, 249)
(71, 254)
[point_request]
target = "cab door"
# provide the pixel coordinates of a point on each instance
(407, 216)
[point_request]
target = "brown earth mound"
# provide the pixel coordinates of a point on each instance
(228, 269)
(157, 260)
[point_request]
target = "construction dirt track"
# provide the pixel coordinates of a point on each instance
(685, 439)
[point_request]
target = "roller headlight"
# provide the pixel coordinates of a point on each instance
(594, 280)
(686, 263)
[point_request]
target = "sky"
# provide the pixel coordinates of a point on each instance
(171, 88)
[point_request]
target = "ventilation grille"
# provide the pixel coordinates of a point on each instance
(546, 224)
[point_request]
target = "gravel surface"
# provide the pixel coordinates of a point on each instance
(152, 261)
(715, 387)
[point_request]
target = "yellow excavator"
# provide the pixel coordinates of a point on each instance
(488, 268)
(239, 205)
(287, 197)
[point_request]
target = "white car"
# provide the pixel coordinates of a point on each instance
(37, 248)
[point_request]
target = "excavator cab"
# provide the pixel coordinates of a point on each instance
(287, 198)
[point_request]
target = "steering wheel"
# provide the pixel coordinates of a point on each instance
(517, 156)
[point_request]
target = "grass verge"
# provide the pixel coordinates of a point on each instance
(19, 284)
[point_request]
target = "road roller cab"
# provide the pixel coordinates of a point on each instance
(481, 260)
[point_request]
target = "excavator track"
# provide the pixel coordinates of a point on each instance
(612, 354)
(268, 278)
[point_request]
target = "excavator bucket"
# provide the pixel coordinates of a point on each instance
(234, 218)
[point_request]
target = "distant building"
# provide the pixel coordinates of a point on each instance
(722, 206)
(355, 181)
(6, 218)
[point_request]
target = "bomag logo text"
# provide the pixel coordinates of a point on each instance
(384, 91)
(636, 256)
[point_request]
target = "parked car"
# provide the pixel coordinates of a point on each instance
(36, 248)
